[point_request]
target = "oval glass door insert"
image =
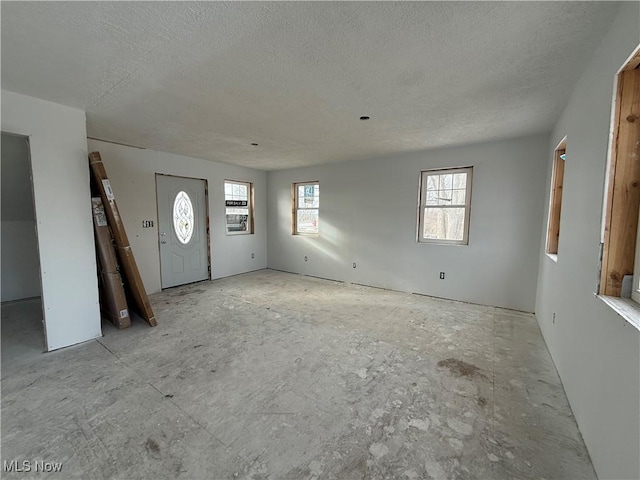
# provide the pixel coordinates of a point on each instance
(183, 217)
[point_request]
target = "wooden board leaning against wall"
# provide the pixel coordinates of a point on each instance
(133, 280)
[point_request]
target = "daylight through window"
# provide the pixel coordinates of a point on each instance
(183, 217)
(555, 200)
(306, 208)
(238, 197)
(445, 199)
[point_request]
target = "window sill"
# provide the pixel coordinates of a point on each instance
(625, 307)
(440, 242)
(553, 256)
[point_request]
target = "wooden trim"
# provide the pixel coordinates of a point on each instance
(207, 223)
(634, 61)
(623, 203)
(419, 208)
(553, 232)
(609, 189)
(293, 208)
(252, 215)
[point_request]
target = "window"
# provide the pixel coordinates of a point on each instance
(183, 217)
(306, 205)
(238, 200)
(445, 200)
(620, 252)
(555, 200)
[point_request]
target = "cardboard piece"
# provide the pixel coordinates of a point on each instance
(133, 281)
(104, 243)
(113, 297)
(113, 302)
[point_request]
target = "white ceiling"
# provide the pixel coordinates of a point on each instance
(207, 79)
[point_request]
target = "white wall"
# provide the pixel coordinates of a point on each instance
(57, 137)
(20, 258)
(596, 352)
(368, 215)
(132, 175)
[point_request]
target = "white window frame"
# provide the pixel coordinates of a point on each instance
(294, 210)
(422, 206)
(249, 206)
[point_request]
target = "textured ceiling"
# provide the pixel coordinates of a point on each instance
(207, 79)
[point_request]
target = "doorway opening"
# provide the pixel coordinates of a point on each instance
(22, 319)
(183, 230)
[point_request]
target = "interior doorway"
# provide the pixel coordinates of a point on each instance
(22, 320)
(183, 235)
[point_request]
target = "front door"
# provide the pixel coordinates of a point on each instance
(182, 229)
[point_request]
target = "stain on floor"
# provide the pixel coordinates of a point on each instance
(461, 369)
(152, 447)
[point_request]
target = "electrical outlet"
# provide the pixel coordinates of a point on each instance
(354, 264)
(554, 318)
(305, 258)
(441, 275)
(253, 255)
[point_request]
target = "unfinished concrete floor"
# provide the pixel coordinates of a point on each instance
(279, 376)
